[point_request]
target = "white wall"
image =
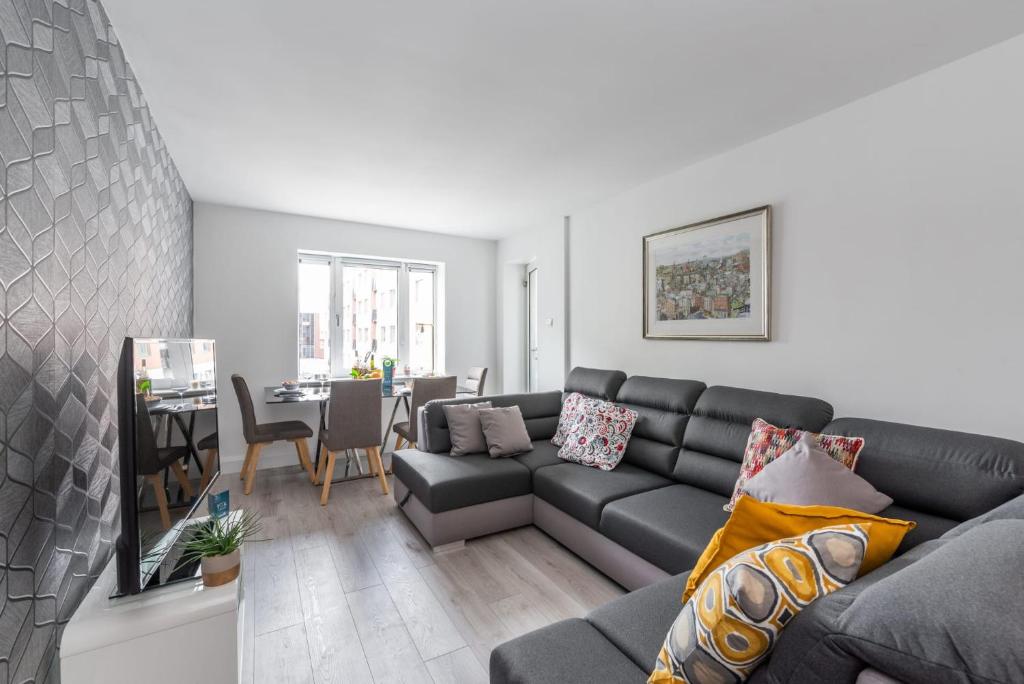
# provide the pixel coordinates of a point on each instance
(899, 246)
(246, 297)
(541, 246)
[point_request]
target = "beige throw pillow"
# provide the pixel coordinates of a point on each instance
(464, 427)
(505, 431)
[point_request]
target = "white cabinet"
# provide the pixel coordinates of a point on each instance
(179, 633)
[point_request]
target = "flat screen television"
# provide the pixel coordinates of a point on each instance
(168, 454)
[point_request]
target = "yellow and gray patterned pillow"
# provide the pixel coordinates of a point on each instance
(733, 620)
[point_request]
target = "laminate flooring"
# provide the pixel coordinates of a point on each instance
(350, 592)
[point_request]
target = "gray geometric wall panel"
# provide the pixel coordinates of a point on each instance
(96, 244)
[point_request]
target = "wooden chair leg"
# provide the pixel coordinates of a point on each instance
(302, 449)
(398, 442)
(161, 499)
(329, 475)
(248, 459)
(369, 460)
(319, 477)
(211, 460)
(250, 477)
(373, 456)
(182, 478)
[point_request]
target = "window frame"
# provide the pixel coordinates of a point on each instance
(403, 324)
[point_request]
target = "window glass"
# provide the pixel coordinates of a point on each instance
(421, 321)
(367, 294)
(314, 317)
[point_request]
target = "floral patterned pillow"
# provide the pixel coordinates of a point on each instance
(598, 435)
(767, 442)
(570, 414)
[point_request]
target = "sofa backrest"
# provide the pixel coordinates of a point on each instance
(716, 434)
(540, 413)
(952, 475)
(663, 406)
(593, 382)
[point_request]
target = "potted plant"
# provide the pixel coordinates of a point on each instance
(217, 543)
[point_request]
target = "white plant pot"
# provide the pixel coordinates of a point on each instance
(218, 570)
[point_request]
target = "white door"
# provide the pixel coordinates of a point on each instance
(532, 338)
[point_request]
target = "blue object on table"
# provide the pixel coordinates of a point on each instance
(389, 376)
(219, 504)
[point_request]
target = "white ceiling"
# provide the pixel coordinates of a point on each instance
(478, 117)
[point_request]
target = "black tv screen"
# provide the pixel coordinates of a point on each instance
(168, 453)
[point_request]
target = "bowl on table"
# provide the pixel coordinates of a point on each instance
(290, 384)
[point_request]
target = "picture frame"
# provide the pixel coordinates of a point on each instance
(710, 280)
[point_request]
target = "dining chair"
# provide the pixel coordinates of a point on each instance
(258, 435)
(152, 460)
(423, 390)
(353, 422)
(210, 446)
(475, 379)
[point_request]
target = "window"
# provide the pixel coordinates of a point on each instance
(351, 308)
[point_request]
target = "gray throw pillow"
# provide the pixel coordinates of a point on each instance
(505, 431)
(464, 427)
(807, 476)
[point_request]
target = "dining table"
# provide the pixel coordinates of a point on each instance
(320, 392)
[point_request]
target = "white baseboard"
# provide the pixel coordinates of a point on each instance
(268, 459)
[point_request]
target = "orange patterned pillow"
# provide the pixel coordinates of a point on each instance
(767, 443)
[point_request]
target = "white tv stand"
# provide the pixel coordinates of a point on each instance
(177, 633)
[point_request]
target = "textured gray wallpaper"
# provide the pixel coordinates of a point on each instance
(96, 244)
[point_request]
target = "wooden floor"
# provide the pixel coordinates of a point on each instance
(351, 593)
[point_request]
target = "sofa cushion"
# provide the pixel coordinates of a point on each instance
(947, 474)
(637, 622)
(738, 613)
(602, 384)
(505, 431)
(807, 475)
(768, 443)
(1011, 510)
(544, 454)
(808, 654)
(540, 413)
(582, 492)
(717, 432)
(444, 483)
(598, 434)
(668, 527)
(928, 526)
(567, 651)
(663, 408)
(952, 616)
(464, 429)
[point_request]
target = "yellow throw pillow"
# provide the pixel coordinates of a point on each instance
(736, 615)
(754, 522)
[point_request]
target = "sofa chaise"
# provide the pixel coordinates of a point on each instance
(646, 522)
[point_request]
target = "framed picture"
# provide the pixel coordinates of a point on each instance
(710, 280)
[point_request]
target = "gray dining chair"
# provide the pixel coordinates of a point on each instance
(210, 445)
(475, 379)
(353, 422)
(423, 390)
(151, 460)
(258, 435)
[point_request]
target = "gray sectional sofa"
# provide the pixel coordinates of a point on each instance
(645, 523)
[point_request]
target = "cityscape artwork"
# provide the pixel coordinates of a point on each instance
(709, 280)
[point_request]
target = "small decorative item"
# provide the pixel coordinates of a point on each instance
(710, 280)
(217, 543)
(389, 365)
(219, 504)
